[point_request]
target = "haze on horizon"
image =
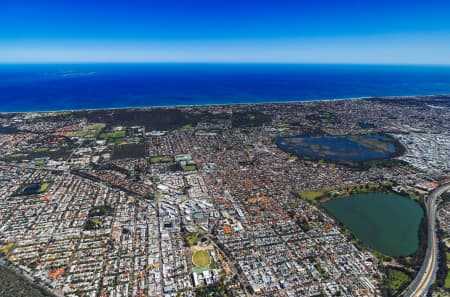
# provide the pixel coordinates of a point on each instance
(323, 31)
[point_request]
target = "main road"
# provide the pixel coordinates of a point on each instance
(427, 273)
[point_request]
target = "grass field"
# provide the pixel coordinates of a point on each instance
(81, 133)
(44, 187)
(97, 127)
(447, 281)
(189, 168)
(201, 258)
(397, 281)
(113, 135)
(17, 155)
(448, 257)
(91, 131)
(31, 189)
(344, 191)
(187, 127)
(156, 159)
(191, 239)
(313, 194)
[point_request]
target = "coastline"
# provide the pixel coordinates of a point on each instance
(228, 104)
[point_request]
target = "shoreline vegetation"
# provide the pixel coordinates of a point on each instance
(317, 196)
(442, 284)
(398, 271)
(401, 97)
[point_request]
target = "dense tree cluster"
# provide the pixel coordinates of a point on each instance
(12, 284)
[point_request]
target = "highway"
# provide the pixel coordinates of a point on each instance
(427, 274)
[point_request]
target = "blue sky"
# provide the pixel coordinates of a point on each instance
(403, 32)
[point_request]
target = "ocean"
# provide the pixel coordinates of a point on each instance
(39, 87)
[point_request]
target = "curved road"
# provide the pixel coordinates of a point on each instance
(427, 273)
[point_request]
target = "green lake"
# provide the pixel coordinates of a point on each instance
(387, 223)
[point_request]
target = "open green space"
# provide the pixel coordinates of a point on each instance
(191, 239)
(90, 132)
(187, 127)
(113, 135)
(17, 155)
(201, 258)
(413, 196)
(97, 127)
(36, 188)
(313, 195)
(96, 217)
(189, 168)
(40, 164)
(155, 159)
(104, 210)
(43, 188)
(80, 133)
(397, 281)
(447, 281)
(326, 115)
(358, 189)
(165, 159)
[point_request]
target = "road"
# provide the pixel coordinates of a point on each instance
(427, 273)
(242, 279)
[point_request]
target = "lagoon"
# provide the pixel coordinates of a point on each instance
(387, 223)
(356, 148)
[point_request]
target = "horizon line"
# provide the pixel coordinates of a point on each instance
(219, 62)
(283, 102)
